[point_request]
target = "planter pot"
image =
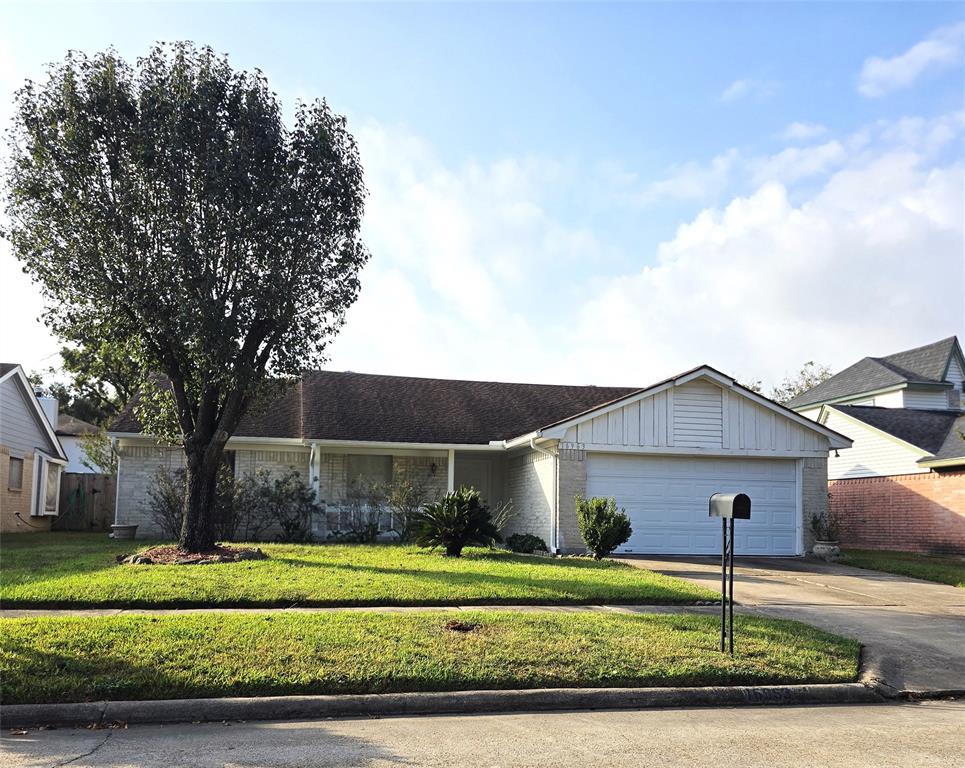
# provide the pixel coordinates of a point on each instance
(123, 531)
(828, 551)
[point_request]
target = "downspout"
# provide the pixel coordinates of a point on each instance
(116, 450)
(555, 504)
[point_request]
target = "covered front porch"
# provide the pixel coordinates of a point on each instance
(354, 483)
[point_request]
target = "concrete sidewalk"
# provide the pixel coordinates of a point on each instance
(913, 631)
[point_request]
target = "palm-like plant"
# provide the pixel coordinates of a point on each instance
(458, 519)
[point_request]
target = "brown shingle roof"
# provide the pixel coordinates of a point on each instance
(71, 426)
(330, 405)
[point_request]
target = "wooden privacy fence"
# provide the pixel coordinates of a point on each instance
(86, 502)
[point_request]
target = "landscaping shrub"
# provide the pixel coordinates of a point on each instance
(602, 526)
(404, 498)
(286, 501)
(526, 543)
(458, 519)
(166, 496)
(825, 526)
(362, 514)
(166, 501)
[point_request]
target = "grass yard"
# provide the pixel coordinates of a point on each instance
(256, 654)
(79, 570)
(944, 570)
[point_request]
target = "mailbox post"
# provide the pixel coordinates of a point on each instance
(728, 507)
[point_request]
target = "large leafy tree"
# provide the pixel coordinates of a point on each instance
(166, 208)
(810, 375)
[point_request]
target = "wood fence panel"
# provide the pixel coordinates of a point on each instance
(86, 502)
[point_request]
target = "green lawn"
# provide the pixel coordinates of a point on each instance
(944, 570)
(255, 654)
(79, 570)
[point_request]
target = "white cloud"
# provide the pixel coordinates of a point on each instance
(478, 272)
(693, 180)
(803, 131)
(761, 285)
(940, 50)
(757, 285)
(746, 88)
(796, 163)
(463, 259)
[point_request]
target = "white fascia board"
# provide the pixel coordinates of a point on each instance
(517, 442)
(954, 462)
(874, 430)
(295, 442)
(349, 444)
(38, 409)
(690, 451)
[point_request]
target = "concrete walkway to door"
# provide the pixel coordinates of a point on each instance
(913, 631)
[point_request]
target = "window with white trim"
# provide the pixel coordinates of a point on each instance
(15, 474)
(46, 498)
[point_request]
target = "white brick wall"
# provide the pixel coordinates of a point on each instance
(139, 465)
(572, 482)
(136, 470)
(529, 483)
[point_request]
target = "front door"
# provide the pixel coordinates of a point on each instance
(475, 473)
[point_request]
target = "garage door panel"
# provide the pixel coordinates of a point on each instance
(666, 500)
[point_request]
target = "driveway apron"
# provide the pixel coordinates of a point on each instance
(913, 631)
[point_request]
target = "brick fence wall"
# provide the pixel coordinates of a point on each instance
(915, 513)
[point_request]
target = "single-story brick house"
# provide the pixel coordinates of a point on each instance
(901, 485)
(661, 451)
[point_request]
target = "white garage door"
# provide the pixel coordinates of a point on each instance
(666, 500)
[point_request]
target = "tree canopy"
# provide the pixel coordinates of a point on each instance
(170, 215)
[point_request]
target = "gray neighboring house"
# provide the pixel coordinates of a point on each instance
(903, 411)
(661, 451)
(31, 457)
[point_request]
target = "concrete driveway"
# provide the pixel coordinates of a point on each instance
(913, 631)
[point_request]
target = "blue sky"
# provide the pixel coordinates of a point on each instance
(606, 193)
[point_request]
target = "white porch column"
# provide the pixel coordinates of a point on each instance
(451, 476)
(315, 470)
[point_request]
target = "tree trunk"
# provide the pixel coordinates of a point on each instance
(199, 529)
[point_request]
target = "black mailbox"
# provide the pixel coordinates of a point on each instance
(728, 507)
(736, 506)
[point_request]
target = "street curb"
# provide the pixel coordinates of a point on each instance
(434, 703)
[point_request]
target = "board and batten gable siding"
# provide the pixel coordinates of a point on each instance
(697, 415)
(20, 429)
(873, 454)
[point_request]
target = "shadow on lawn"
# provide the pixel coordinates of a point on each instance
(522, 588)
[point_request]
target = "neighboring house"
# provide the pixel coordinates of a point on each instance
(661, 451)
(70, 431)
(31, 457)
(902, 484)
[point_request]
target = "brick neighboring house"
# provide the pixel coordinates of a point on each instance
(660, 450)
(901, 486)
(31, 457)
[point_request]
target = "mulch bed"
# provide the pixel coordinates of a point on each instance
(171, 555)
